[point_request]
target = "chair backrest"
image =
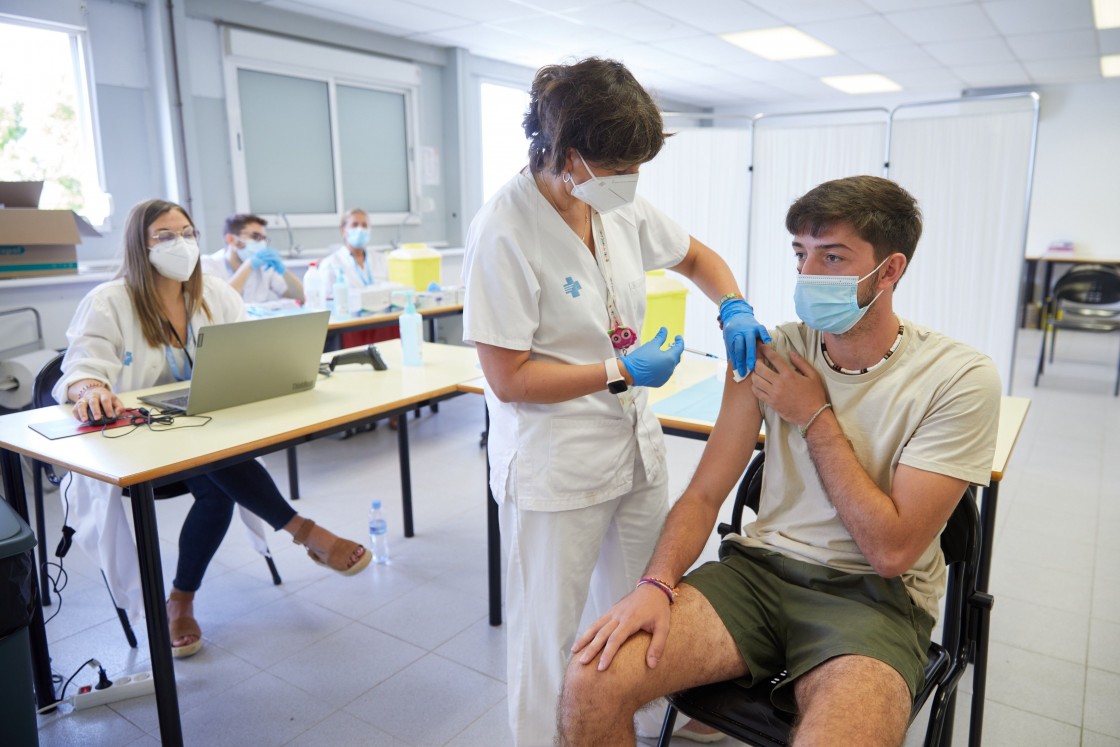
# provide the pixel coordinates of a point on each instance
(45, 380)
(1091, 285)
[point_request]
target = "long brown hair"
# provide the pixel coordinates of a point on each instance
(139, 274)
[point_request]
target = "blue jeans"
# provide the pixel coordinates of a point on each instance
(247, 484)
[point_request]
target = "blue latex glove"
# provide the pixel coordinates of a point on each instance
(649, 365)
(740, 330)
(268, 257)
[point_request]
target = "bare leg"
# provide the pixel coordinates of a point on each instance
(852, 700)
(597, 708)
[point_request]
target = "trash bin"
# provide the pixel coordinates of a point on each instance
(665, 298)
(17, 601)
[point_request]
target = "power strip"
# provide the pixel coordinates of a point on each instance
(124, 687)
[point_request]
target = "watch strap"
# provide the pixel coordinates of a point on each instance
(615, 383)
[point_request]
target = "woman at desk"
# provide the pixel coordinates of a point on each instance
(555, 280)
(361, 267)
(138, 331)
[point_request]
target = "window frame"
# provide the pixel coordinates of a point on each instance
(86, 99)
(264, 53)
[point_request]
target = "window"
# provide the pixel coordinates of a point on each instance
(47, 126)
(310, 141)
(505, 149)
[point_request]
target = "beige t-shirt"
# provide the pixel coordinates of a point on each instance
(933, 405)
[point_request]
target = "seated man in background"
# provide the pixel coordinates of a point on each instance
(874, 428)
(250, 265)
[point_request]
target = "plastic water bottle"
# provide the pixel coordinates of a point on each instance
(341, 294)
(313, 296)
(412, 333)
(378, 534)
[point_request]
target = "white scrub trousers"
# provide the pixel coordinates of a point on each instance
(554, 558)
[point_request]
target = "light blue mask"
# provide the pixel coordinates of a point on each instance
(357, 237)
(830, 303)
(252, 246)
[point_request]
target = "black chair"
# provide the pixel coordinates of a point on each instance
(1081, 300)
(41, 396)
(747, 713)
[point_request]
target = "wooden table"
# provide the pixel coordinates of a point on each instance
(352, 395)
(693, 372)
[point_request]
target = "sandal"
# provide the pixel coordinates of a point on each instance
(338, 556)
(183, 627)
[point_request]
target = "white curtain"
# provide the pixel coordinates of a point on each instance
(969, 174)
(789, 160)
(700, 179)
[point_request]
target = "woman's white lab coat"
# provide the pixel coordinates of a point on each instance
(376, 269)
(107, 343)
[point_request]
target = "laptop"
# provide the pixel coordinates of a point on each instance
(244, 362)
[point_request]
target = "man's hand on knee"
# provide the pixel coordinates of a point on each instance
(644, 609)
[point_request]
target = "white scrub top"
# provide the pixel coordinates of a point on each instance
(107, 343)
(531, 284)
(263, 284)
(376, 269)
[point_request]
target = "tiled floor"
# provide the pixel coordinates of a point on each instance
(403, 655)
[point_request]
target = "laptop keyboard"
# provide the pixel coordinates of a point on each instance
(176, 403)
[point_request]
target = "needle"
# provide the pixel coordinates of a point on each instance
(701, 352)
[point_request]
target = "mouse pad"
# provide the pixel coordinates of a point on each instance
(67, 427)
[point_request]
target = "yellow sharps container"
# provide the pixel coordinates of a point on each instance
(414, 265)
(664, 305)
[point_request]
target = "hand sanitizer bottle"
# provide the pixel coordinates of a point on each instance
(341, 294)
(412, 333)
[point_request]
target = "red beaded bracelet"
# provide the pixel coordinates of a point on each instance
(670, 591)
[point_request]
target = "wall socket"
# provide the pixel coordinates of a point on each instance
(124, 687)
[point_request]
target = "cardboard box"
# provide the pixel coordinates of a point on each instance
(36, 243)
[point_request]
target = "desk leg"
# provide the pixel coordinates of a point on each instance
(1048, 278)
(15, 491)
(159, 638)
(431, 329)
(493, 543)
(406, 473)
(293, 474)
(987, 533)
(37, 468)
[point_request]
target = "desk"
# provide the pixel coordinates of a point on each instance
(690, 373)
(350, 396)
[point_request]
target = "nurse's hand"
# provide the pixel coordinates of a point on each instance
(96, 402)
(740, 332)
(649, 365)
(644, 609)
(269, 257)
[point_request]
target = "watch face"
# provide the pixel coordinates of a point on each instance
(616, 387)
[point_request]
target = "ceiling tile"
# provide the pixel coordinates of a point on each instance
(765, 71)
(850, 34)
(910, 57)
(563, 32)
(1064, 71)
(971, 52)
(396, 13)
(709, 50)
(1053, 45)
(807, 11)
(835, 65)
(1037, 16)
(1000, 74)
(809, 88)
(633, 21)
(888, 6)
(482, 11)
(647, 57)
(930, 79)
(715, 16)
(943, 23)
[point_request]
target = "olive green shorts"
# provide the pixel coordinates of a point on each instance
(785, 614)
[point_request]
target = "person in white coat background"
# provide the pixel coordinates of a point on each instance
(139, 330)
(361, 267)
(249, 264)
(555, 289)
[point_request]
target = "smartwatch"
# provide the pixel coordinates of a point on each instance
(615, 383)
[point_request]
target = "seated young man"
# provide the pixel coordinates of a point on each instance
(874, 428)
(249, 264)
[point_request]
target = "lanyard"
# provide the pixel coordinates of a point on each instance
(622, 337)
(169, 355)
(367, 276)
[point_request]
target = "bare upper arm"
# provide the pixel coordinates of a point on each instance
(924, 501)
(731, 443)
(500, 366)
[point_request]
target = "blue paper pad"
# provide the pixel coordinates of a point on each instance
(699, 402)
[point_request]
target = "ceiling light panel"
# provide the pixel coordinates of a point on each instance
(782, 43)
(870, 83)
(1110, 65)
(1106, 14)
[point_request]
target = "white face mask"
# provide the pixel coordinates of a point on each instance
(605, 193)
(175, 260)
(252, 246)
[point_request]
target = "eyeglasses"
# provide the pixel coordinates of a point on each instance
(166, 236)
(255, 236)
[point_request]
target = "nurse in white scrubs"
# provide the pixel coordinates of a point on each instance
(137, 331)
(555, 289)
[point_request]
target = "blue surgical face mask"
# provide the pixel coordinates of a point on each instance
(357, 237)
(252, 246)
(830, 303)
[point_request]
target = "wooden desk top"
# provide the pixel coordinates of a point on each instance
(1012, 411)
(352, 393)
(373, 320)
(1075, 259)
